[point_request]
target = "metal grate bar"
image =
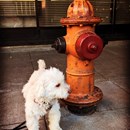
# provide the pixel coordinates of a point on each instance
(17, 8)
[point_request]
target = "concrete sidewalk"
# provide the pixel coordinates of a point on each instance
(112, 75)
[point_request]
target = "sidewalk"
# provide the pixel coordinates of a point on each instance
(112, 75)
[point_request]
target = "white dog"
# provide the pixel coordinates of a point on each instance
(41, 94)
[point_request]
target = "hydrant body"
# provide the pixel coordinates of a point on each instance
(82, 46)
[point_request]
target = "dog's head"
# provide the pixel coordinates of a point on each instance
(51, 84)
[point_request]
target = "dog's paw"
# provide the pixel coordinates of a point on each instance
(55, 128)
(59, 128)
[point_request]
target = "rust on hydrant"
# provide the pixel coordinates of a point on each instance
(81, 46)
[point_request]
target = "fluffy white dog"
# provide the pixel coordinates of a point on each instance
(41, 94)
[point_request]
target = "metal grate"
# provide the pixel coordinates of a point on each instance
(123, 12)
(54, 10)
(50, 12)
(103, 10)
(17, 8)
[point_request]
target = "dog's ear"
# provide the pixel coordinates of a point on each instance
(39, 89)
(41, 64)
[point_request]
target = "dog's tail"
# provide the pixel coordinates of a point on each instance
(41, 64)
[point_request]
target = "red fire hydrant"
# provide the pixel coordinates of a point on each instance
(81, 46)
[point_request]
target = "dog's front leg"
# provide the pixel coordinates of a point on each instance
(54, 117)
(32, 122)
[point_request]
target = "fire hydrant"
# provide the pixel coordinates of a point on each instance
(81, 46)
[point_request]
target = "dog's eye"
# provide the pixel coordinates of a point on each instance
(58, 85)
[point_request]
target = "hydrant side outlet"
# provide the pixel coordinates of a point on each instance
(60, 45)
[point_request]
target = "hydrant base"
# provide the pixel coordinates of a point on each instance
(84, 106)
(82, 111)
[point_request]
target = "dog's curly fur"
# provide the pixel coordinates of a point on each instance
(41, 94)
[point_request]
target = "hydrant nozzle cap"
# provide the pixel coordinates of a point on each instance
(60, 45)
(89, 46)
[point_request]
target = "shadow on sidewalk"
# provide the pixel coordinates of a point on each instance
(128, 83)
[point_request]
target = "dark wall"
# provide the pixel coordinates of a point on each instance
(47, 35)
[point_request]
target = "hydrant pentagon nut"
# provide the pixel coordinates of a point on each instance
(89, 46)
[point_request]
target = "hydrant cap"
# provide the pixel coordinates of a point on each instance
(89, 46)
(80, 12)
(80, 8)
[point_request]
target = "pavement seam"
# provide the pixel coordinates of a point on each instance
(120, 87)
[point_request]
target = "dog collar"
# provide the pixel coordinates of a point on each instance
(44, 103)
